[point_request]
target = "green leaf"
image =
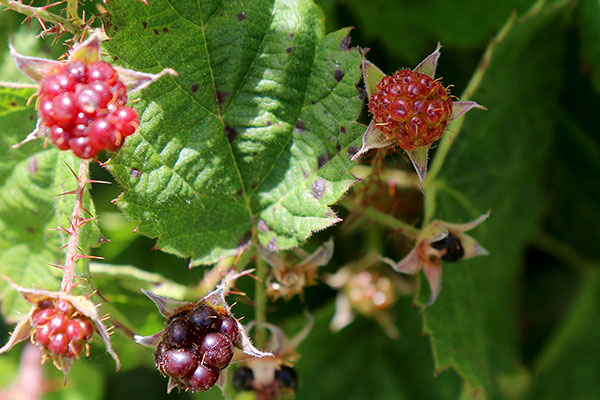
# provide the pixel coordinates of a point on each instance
(362, 362)
(496, 163)
(589, 29)
(31, 178)
(572, 356)
(252, 139)
(406, 27)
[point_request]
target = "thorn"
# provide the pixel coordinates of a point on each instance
(73, 172)
(66, 193)
(134, 229)
(190, 265)
(80, 256)
(89, 296)
(97, 181)
(56, 266)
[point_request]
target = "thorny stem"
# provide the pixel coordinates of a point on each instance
(77, 221)
(384, 219)
(71, 25)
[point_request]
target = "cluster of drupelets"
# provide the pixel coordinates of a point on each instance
(411, 108)
(60, 330)
(82, 108)
(196, 345)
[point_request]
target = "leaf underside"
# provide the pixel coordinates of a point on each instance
(255, 135)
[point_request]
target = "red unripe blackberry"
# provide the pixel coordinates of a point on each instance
(411, 108)
(60, 137)
(42, 316)
(54, 85)
(46, 112)
(65, 110)
(82, 148)
(178, 363)
(103, 135)
(87, 327)
(59, 344)
(58, 323)
(74, 330)
(230, 328)
(101, 71)
(217, 350)
(203, 378)
(126, 120)
(205, 319)
(42, 335)
(76, 70)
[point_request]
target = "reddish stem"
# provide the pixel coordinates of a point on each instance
(77, 222)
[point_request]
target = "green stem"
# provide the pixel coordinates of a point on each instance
(563, 252)
(72, 12)
(578, 319)
(260, 302)
(74, 26)
(384, 219)
(456, 125)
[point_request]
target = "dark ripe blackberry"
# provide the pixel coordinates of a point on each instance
(178, 334)
(230, 328)
(159, 354)
(178, 363)
(216, 350)
(452, 245)
(205, 319)
(287, 378)
(242, 379)
(203, 378)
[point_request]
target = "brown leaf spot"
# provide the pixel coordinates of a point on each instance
(221, 96)
(231, 133)
(144, 24)
(33, 165)
(29, 229)
(352, 150)
(165, 29)
(262, 225)
(13, 103)
(195, 87)
(323, 159)
(242, 16)
(289, 50)
(135, 173)
(155, 31)
(345, 43)
(338, 74)
(245, 239)
(343, 129)
(299, 128)
(318, 188)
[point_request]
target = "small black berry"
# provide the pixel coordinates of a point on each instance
(217, 350)
(205, 319)
(203, 378)
(178, 333)
(287, 378)
(453, 247)
(242, 379)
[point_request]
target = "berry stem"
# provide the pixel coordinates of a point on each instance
(455, 126)
(260, 302)
(72, 10)
(39, 13)
(77, 222)
(212, 278)
(383, 219)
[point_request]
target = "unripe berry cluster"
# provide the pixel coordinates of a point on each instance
(196, 345)
(60, 330)
(83, 108)
(411, 108)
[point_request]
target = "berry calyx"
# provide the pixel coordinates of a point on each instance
(411, 108)
(82, 108)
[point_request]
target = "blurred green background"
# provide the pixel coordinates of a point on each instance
(557, 293)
